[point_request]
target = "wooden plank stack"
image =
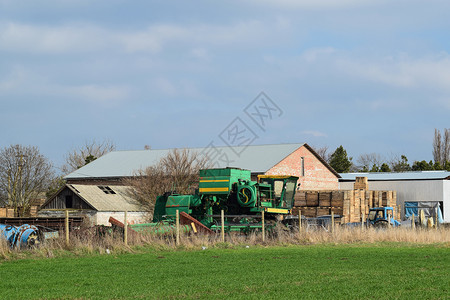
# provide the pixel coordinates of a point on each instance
(350, 204)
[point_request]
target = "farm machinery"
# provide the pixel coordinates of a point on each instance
(20, 236)
(382, 217)
(231, 191)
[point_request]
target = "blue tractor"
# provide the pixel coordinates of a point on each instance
(381, 216)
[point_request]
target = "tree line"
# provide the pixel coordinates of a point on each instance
(374, 162)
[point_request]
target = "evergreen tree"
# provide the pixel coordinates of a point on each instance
(401, 165)
(385, 168)
(339, 160)
(375, 169)
(422, 166)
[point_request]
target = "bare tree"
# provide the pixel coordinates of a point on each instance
(177, 172)
(322, 152)
(24, 176)
(441, 147)
(367, 160)
(90, 151)
(437, 145)
(446, 148)
(399, 163)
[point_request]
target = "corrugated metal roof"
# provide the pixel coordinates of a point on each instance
(256, 158)
(419, 175)
(98, 199)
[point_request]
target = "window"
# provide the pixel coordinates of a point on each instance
(303, 166)
(106, 189)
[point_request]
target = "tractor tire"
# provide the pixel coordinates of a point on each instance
(381, 224)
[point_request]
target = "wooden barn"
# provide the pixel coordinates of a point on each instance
(95, 202)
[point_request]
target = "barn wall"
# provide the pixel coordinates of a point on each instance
(316, 175)
(59, 202)
(413, 190)
(133, 217)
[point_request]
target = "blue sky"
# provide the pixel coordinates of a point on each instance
(373, 76)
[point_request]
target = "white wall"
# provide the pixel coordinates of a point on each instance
(132, 217)
(418, 190)
(446, 188)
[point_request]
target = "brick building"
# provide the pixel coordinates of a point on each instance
(288, 159)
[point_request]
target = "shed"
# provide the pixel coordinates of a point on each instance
(96, 202)
(412, 187)
(288, 159)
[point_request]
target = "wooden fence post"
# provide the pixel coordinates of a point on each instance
(362, 221)
(437, 219)
(299, 221)
(413, 223)
(332, 222)
(125, 228)
(222, 219)
(177, 237)
(67, 227)
(263, 227)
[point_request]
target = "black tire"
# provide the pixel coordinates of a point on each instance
(381, 224)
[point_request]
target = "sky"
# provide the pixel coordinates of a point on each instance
(370, 75)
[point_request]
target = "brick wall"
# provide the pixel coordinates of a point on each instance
(316, 175)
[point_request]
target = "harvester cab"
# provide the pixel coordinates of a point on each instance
(382, 217)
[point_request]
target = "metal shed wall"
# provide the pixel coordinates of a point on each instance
(413, 190)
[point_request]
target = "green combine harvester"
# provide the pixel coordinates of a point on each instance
(231, 190)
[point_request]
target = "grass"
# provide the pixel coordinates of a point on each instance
(87, 242)
(296, 271)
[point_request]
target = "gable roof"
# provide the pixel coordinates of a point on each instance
(256, 158)
(95, 197)
(379, 176)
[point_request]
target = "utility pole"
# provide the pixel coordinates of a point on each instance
(20, 201)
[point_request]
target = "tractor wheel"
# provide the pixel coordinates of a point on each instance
(381, 224)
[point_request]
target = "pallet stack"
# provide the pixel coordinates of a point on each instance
(349, 204)
(6, 212)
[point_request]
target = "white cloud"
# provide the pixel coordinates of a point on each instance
(24, 81)
(18, 37)
(95, 93)
(313, 54)
(403, 72)
(317, 4)
(28, 38)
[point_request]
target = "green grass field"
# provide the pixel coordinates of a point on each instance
(343, 272)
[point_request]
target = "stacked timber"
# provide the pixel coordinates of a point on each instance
(349, 204)
(361, 183)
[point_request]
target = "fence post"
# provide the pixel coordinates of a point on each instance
(332, 222)
(362, 221)
(177, 217)
(125, 228)
(437, 219)
(263, 227)
(413, 223)
(389, 221)
(222, 220)
(67, 226)
(299, 221)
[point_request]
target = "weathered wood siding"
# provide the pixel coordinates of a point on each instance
(59, 202)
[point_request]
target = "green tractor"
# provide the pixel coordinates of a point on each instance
(230, 190)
